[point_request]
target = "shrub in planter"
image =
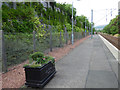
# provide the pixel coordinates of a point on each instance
(40, 70)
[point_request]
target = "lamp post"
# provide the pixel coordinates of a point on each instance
(85, 27)
(72, 24)
(91, 23)
(88, 25)
(119, 28)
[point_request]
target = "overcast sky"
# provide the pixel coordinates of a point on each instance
(99, 9)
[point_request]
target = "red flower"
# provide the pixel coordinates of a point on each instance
(43, 58)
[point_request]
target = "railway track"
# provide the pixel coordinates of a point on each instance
(114, 40)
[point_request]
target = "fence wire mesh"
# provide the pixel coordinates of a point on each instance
(19, 46)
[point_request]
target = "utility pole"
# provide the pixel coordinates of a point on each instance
(1, 17)
(0, 5)
(106, 15)
(85, 27)
(119, 8)
(119, 17)
(30, 3)
(111, 12)
(118, 40)
(91, 23)
(14, 4)
(72, 25)
(119, 12)
(88, 29)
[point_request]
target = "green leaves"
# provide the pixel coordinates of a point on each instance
(17, 20)
(39, 59)
(27, 18)
(35, 56)
(69, 27)
(112, 27)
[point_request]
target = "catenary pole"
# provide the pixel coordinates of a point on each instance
(91, 23)
(72, 25)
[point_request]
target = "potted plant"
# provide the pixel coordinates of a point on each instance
(40, 70)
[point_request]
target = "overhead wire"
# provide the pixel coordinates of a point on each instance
(104, 16)
(111, 12)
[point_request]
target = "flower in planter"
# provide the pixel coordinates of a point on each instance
(40, 70)
(49, 58)
(54, 58)
(43, 58)
(36, 55)
(39, 59)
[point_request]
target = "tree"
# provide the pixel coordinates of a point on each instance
(112, 27)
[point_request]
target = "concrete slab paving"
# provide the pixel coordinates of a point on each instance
(86, 66)
(101, 79)
(101, 74)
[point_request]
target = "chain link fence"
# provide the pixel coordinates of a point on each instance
(18, 46)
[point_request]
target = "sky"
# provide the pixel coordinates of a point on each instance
(101, 9)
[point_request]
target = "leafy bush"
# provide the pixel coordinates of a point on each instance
(19, 24)
(39, 59)
(22, 19)
(17, 20)
(112, 27)
(69, 27)
(37, 55)
(50, 58)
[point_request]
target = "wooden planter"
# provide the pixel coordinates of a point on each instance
(38, 77)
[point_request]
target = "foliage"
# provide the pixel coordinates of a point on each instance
(32, 66)
(117, 35)
(17, 20)
(77, 29)
(38, 27)
(81, 21)
(39, 59)
(50, 58)
(69, 27)
(94, 30)
(27, 18)
(18, 25)
(18, 46)
(36, 55)
(112, 27)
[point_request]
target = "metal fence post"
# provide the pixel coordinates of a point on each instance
(78, 35)
(60, 40)
(50, 38)
(66, 36)
(3, 59)
(34, 42)
(74, 36)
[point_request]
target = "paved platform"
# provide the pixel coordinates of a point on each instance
(90, 65)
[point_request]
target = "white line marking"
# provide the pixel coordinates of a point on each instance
(111, 47)
(109, 42)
